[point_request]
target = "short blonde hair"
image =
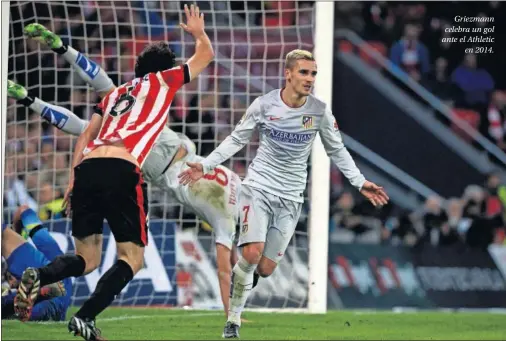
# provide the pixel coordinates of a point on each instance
(293, 56)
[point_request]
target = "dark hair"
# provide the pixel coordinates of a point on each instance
(155, 57)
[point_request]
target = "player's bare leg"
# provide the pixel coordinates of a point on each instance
(266, 267)
(90, 249)
(223, 256)
(10, 242)
(233, 255)
(86, 259)
(89, 71)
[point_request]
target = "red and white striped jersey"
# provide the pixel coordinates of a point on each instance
(136, 112)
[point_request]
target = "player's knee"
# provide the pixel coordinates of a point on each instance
(266, 267)
(263, 272)
(252, 252)
(135, 263)
(19, 211)
(132, 254)
(92, 262)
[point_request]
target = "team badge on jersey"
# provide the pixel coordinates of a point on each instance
(307, 122)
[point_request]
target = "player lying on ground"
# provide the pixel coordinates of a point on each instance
(170, 152)
(106, 181)
(54, 299)
(272, 193)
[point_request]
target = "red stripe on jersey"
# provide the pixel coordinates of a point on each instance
(110, 119)
(139, 128)
(151, 141)
(136, 138)
(107, 120)
(124, 118)
(154, 90)
(140, 203)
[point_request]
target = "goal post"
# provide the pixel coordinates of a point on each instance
(320, 164)
(4, 48)
(251, 40)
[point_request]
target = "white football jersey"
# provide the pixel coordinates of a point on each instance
(213, 198)
(286, 140)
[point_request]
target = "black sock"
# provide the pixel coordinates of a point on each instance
(110, 285)
(61, 50)
(35, 230)
(27, 101)
(62, 267)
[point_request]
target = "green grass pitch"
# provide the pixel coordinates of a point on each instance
(167, 324)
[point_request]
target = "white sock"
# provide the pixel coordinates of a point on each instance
(88, 70)
(242, 283)
(59, 117)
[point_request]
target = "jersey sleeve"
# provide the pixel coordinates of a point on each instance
(177, 76)
(99, 108)
(235, 141)
(334, 146)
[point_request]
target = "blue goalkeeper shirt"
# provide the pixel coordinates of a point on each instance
(53, 309)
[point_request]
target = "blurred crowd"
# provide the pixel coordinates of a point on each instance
(417, 37)
(411, 35)
(476, 219)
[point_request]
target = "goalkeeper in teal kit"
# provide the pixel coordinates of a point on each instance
(54, 300)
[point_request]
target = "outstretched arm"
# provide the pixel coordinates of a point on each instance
(230, 146)
(204, 54)
(333, 143)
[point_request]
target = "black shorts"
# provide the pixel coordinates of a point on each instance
(113, 189)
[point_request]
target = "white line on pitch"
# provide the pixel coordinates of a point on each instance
(136, 317)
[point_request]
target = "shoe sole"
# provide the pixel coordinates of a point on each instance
(28, 292)
(42, 35)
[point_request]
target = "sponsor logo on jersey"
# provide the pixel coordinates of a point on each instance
(307, 122)
(296, 138)
(274, 118)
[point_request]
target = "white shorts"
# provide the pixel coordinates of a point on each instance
(215, 201)
(213, 198)
(267, 218)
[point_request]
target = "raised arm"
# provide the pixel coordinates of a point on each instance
(176, 77)
(204, 52)
(231, 145)
(333, 143)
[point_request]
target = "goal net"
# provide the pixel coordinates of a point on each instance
(250, 39)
